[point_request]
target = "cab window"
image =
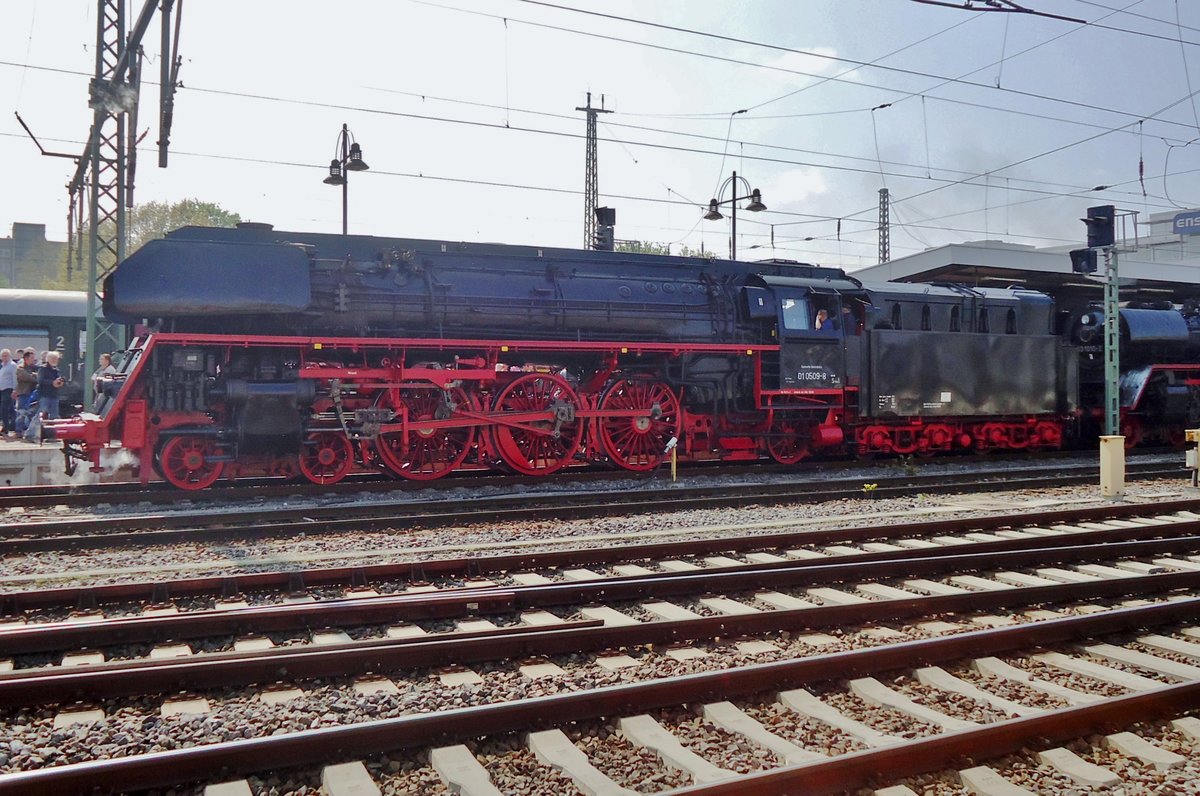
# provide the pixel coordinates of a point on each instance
(795, 314)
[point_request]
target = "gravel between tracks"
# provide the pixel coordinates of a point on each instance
(132, 726)
(65, 568)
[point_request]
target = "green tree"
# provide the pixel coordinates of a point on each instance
(649, 247)
(155, 219)
(144, 223)
(642, 247)
(688, 251)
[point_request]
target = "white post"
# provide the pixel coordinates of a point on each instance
(1192, 455)
(1112, 466)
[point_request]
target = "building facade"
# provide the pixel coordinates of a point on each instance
(27, 258)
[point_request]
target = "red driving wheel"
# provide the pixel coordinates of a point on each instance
(326, 457)
(543, 446)
(187, 462)
(639, 442)
(788, 439)
(423, 453)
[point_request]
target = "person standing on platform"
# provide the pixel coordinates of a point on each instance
(8, 383)
(26, 381)
(106, 369)
(49, 382)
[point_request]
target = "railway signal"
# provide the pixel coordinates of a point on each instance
(1083, 261)
(603, 239)
(1100, 226)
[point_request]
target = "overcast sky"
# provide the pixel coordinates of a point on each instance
(998, 126)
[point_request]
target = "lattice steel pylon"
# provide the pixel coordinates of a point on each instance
(591, 187)
(104, 168)
(885, 227)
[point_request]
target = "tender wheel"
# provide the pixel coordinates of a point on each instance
(187, 462)
(788, 440)
(543, 446)
(638, 442)
(424, 453)
(326, 457)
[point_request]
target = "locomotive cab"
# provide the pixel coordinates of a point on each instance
(818, 323)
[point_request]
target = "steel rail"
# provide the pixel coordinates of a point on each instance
(13, 602)
(160, 492)
(343, 511)
(352, 742)
(845, 773)
(66, 534)
(25, 687)
(675, 495)
(256, 488)
(458, 603)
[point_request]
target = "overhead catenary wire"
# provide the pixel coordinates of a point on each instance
(648, 144)
(781, 48)
(1025, 160)
(550, 114)
(822, 81)
(813, 217)
(787, 49)
(878, 160)
(1126, 12)
(764, 145)
(683, 202)
(1187, 74)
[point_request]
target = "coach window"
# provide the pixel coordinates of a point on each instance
(1010, 322)
(955, 320)
(983, 321)
(795, 314)
(896, 317)
(926, 323)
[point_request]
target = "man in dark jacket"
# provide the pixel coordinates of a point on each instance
(49, 381)
(26, 382)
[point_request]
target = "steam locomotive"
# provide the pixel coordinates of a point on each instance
(266, 352)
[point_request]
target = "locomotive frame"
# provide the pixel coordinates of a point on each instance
(420, 409)
(417, 421)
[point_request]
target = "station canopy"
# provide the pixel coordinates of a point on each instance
(1163, 266)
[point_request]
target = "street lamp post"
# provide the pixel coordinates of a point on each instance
(756, 206)
(339, 168)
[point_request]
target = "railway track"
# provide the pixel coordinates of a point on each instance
(242, 523)
(941, 644)
(248, 490)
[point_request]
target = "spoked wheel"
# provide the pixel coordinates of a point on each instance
(326, 457)
(537, 447)
(788, 439)
(187, 462)
(424, 453)
(639, 442)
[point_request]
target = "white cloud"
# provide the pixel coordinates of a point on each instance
(784, 190)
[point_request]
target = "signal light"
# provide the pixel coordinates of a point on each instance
(1083, 261)
(1100, 226)
(606, 219)
(604, 240)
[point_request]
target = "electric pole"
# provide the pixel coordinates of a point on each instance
(885, 227)
(106, 167)
(591, 188)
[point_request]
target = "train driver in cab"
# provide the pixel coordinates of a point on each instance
(824, 325)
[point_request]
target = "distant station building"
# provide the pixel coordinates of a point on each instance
(1165, 265)
(27, 259)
